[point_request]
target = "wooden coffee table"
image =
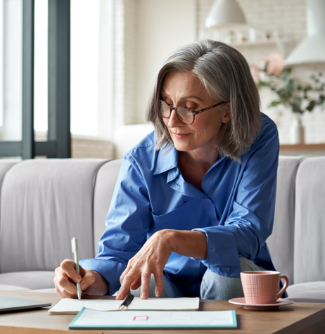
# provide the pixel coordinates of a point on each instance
(305, 318)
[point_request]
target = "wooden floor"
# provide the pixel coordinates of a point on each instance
(304, 318)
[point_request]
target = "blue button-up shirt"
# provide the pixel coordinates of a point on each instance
(235, 209)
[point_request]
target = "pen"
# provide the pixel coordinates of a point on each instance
(74, 244)
(127, 301)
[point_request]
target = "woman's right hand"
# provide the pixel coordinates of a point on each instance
(66, 278)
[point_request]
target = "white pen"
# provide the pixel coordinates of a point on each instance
(74, 244)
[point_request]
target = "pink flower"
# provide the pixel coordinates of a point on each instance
(275, 63)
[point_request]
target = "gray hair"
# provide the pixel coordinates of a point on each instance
(226, 76)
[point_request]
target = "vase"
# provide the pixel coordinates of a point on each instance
(297, 131)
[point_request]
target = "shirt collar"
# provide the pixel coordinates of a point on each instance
(167, 159)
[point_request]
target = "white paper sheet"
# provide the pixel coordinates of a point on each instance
(73, 306)
(162, 304)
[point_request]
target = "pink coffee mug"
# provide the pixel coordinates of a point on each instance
(262, 287)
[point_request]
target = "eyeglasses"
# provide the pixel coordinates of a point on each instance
(185, 115)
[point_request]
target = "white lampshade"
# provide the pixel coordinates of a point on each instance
(312, 48)
(225, 14)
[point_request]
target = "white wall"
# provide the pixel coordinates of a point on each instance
(162, 26)
(124, 62)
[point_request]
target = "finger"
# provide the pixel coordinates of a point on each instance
(85, 292)
(68, 295)
(145, 282)
(126, 284)
(123, 293)
(87, 280)
(82, 271)
(69, 267)
(136, 284)
(125, 272)
(67, 285)
(63, 293)
(159, 283)
(63, 283)
(59, 278)
(58, 291)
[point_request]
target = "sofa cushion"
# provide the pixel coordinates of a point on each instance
(5, 165)
(309, 250)
(44, 290)
(104, 188)
(45, 203)
(281, 242)
(312, 292)
(12, 288)
(29, 279)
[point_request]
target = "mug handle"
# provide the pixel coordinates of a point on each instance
(286, 283)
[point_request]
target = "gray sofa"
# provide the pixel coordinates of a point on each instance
(44, 203)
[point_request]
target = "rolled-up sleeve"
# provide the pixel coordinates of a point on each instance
(249, 221)
(127, 223)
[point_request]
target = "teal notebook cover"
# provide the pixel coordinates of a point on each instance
(92, 319)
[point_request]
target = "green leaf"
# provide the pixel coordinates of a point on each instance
(311, 105)
(307, 88)
(274, 103)
(265, 67)
(297, 100)
(287, 70)
(296, 108)
(321, 100)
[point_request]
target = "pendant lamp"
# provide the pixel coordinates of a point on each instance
(225, 14)
(312, 48)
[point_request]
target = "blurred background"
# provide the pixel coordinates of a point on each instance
(75, 74)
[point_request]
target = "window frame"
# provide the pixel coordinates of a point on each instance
(58, 144)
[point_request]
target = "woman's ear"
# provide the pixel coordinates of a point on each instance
(226, 113)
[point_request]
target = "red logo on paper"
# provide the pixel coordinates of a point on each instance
(140, 318)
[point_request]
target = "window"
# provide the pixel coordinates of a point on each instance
(91, 67)
(85, 47)
(40, 70)
(10, 69)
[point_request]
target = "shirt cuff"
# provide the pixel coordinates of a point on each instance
(223, 257)
(110, 270)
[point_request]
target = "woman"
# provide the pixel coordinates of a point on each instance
(194, 201)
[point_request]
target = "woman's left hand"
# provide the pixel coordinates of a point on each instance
(151, 259)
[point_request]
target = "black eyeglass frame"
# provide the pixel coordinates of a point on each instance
(194, 113)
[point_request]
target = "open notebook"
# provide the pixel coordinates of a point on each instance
(73, 306)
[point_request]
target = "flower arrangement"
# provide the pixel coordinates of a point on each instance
(289, 91)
